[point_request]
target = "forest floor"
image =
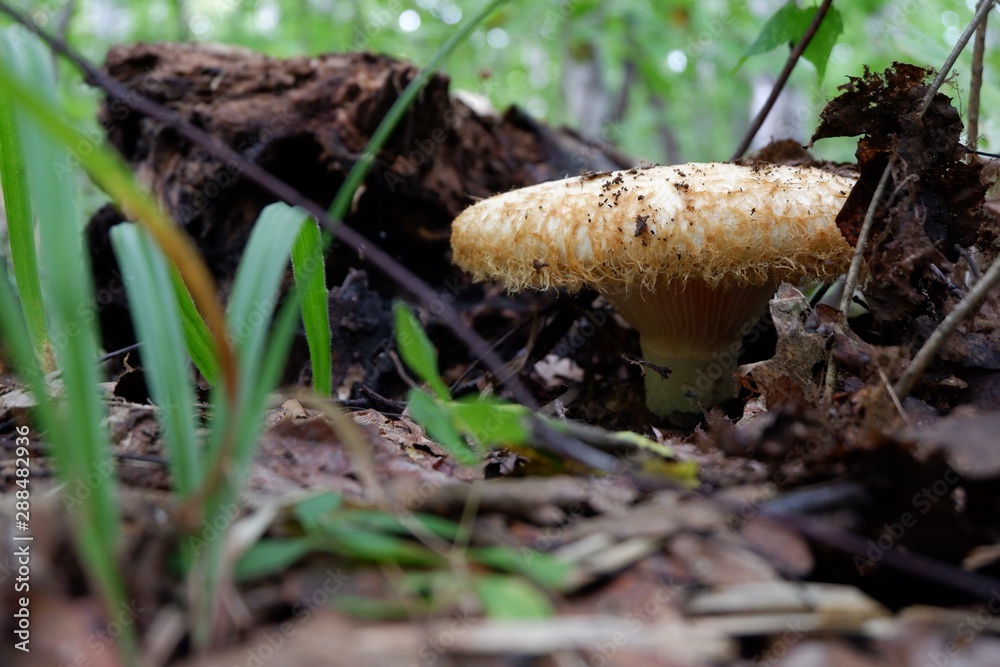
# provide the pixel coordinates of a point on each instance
(791, 526)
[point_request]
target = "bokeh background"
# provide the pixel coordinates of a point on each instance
(656, 78)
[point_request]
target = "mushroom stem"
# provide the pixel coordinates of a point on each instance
(696, 380)
(696, 332)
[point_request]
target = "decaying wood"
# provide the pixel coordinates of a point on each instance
(307, 120)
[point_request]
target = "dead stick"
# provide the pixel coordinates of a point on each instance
(963, 39)
(976, 84)
(779, 85)
(947, 327)
(909, 562)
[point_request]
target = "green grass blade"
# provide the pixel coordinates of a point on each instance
(258, 277)
(197, 337)
(310, 278)
(417, 350)
(262, 360)
(156, 317)
(110, 173)
(77, 436)
(21, 228)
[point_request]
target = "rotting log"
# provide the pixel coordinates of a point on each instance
(307, 120)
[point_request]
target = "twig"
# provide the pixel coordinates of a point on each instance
(851, 282)
(947, 327)
(779, 85)
(368, 251)
(981, 12)
(976, 83)
(909, 562)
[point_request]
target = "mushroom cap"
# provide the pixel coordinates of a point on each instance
(725, 224)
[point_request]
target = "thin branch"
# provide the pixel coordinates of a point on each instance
(859, 249)
(779, 85)
(976, 83)
(909, 562)
(947, 327)
(365, 249)
(981, 12)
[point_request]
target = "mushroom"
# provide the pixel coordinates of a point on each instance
(689, 254)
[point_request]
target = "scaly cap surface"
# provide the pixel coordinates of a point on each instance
(725, 224)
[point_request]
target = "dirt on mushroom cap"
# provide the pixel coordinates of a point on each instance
(725, 224)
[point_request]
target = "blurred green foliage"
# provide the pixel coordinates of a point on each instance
(675, 58)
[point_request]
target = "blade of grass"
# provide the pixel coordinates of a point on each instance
(258, 277)
(21, 231)
(77, 436)
(155, 313)
(112, 175)
(235, 430)
(215, 562)
(310, 278)
(197, 336)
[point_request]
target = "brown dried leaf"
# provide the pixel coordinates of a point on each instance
(791, 374)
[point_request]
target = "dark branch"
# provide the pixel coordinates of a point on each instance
(779, 85)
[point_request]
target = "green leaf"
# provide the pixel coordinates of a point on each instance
(310, 278)
(819, 49)
(786, 25)
(504, 596)
(271, 556)
(314, 511)
(540, 567)
(789, 24)
(381, 548)
(491, 422)
(417, 350)
(439, 426)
